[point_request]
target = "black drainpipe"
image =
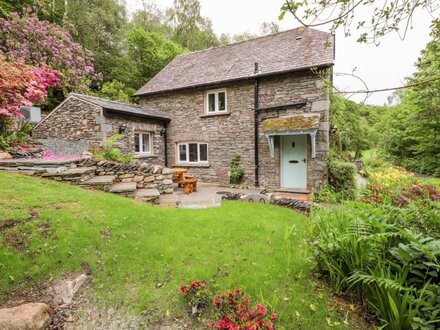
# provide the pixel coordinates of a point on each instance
(256, 132)
(165, 128)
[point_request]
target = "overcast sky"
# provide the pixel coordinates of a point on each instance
(380, 67)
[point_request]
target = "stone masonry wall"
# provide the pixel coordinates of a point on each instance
(75, 120)
(283, 90)
(132, 125)
(226, 134)
(233, 133)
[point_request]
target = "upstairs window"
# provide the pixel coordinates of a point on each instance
(216, 102)
(193, 152)
(142, 143)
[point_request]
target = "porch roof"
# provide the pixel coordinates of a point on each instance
(305, 122)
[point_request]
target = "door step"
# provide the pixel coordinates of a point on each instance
(292, 191)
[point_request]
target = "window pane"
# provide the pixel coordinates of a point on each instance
(136, 142)
(211, 102)
(203, 152)
(193, 152)
(145, 142)
(222, 101)
(182, 152)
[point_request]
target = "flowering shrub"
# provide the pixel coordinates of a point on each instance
(236, 314)
(23, 85)
(196, 295)
(397, 187)
(41, 43)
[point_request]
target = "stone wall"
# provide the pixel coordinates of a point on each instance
(226, 134)
(75, 120)
(62, 147)
(80, 170)
(145, 175)
(233, 133)
(133, 124)
(283, 90)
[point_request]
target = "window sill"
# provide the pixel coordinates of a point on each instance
(215, 114)
(141, 155)
(192, 165)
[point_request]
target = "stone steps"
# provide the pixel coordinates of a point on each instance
(100, 182)
(123, 188)
(147, 195)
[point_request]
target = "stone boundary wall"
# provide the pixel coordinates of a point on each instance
(78, 171)
(145, 175)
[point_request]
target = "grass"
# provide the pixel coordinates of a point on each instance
(53, 228)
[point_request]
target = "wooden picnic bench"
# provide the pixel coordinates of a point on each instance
(188, 182)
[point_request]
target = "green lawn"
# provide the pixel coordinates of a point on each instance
(131, 247)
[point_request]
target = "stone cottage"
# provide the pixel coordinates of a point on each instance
(84, 122)
(263, 99)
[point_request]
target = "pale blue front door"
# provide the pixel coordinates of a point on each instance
(294, 162)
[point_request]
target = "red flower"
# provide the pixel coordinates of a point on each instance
(274, 316)
(184, 289)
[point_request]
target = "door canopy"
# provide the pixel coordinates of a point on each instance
(291, 125)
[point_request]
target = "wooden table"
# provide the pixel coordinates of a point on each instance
(180, 173)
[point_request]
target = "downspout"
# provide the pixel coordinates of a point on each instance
(165, 128)
(256, 128)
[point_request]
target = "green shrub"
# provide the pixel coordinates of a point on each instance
(342, 177)
(327, 194)
(237, 172)
(382, 254)
(112, 153)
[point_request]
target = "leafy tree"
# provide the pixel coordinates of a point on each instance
(383, 17)
(190, 28)
(40, 43)
(352, 128)
(152, 19)
(413, 127)
(98, 25)
(147, 54)
(115, 90)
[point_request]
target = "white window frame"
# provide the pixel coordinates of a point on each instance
(187, 161)
(141, 140)
(216, 92)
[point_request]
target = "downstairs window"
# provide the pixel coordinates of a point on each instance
(192, 153)
(142, 143)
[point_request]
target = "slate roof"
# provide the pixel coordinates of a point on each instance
(286, 51)
(291, 123)
(122, 108)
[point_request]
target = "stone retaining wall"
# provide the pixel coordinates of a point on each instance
(145, 175)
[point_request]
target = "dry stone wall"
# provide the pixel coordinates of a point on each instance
(143, 174)
(78, 171)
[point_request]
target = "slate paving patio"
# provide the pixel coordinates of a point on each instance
(210, 195)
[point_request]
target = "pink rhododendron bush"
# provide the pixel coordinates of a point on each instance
(40, 43)
(24, 85)
(21, 85)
